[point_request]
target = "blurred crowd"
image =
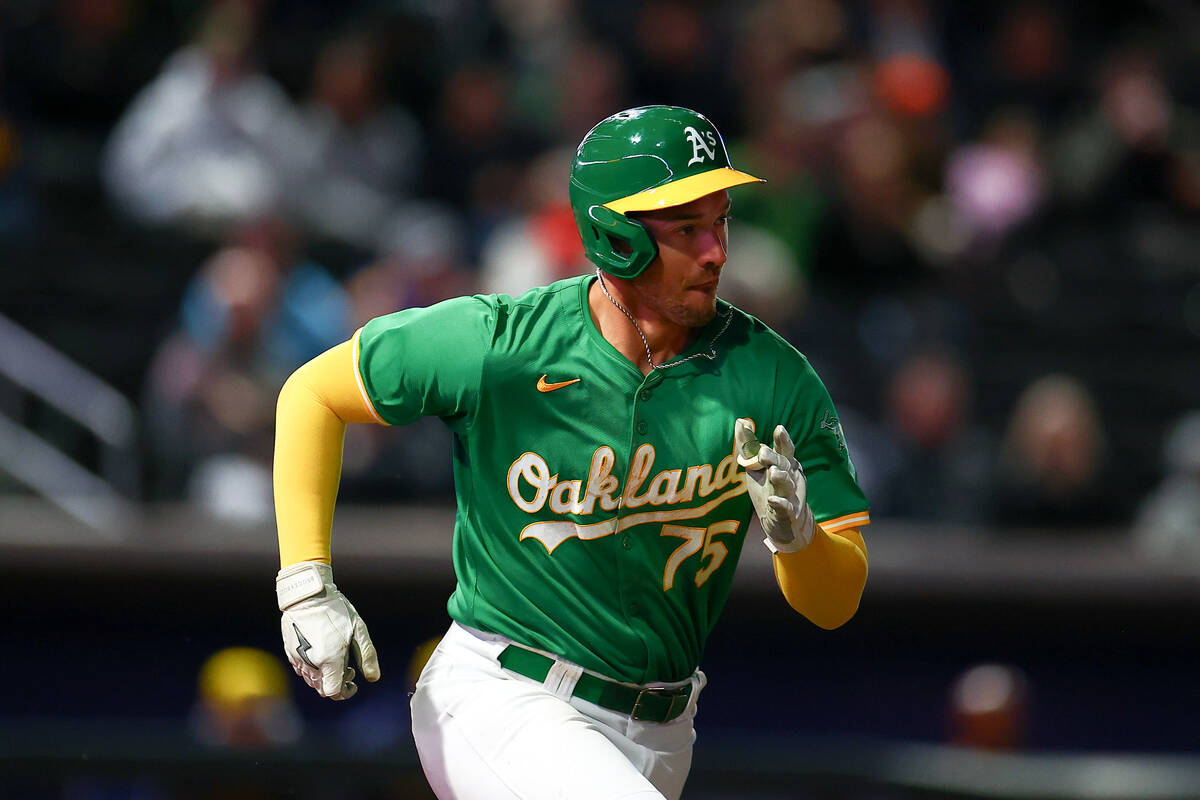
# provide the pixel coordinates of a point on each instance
(981, 221)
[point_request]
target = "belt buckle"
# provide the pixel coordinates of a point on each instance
(674, 694)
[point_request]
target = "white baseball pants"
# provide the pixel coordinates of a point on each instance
(484, 733)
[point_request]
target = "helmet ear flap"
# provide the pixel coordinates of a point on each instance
(621, 246)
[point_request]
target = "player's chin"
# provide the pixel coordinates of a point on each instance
(699, 312)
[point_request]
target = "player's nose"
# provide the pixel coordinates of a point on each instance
(713, 251)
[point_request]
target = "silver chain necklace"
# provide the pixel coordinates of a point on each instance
(712, 350)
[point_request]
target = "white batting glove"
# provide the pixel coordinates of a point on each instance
(775, 481)
(320, 628)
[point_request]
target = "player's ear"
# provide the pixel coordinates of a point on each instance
(602, 233)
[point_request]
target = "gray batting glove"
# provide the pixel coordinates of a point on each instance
(320, 629)
(777, 488)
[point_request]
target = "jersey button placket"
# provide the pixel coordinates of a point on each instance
(629, 588)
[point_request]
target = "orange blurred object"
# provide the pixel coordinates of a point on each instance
(989, 708)
(912, 85)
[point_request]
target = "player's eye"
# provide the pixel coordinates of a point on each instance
(686, 230)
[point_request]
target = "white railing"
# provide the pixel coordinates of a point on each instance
(100, 502)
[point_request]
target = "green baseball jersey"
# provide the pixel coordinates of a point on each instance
(600, 511)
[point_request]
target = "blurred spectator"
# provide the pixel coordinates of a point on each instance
(1017, 53)
(996, 183)
(477, 148)
(256, 311)
(989, 708)
(788, 206)
(541, 40)
(421, 261)
(787, 146)
(1054, 468)
(590, 82)
(912, 85)
(1127, 148)
(539, 30)
(864, 246)
(1167, 527)
(678, 59)
(354, 156)
(244, 701)
(886, 159)
(763, 278)
(421, 264)
(944, 469)
(801, 89)
(542, 244)
(909, 77)
(261, 294)
(199, 146)
(794, 66)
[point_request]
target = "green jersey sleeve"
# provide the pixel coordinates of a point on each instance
(834, 495)
(427, 361)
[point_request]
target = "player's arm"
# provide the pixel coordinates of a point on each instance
(822, 574)
(824, 581)
(320, 627)
(314, 406)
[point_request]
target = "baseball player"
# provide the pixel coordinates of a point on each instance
(607, 462)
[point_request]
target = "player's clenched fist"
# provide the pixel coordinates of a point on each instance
(320, 629)
(775, 481)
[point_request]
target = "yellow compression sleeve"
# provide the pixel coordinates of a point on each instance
(314, 406)
(825, 580)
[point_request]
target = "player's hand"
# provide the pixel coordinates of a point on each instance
(320, 629)
(777, 488)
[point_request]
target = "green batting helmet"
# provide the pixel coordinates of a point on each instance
(643, 159)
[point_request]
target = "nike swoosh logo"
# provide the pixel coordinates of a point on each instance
(542, 386)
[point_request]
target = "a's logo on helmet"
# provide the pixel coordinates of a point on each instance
(701, 150)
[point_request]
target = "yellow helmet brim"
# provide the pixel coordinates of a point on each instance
(684, 190)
